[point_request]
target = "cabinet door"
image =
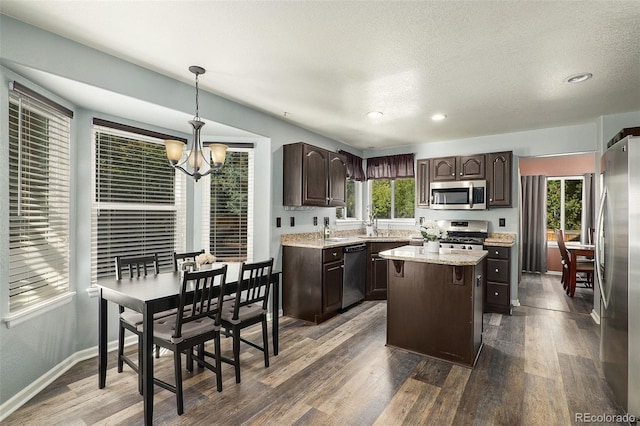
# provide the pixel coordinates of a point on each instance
(314, 176)
(337, 180)
(422, 183)
(499, 181)
(470, 167)
(443, 169)
(378, 287)
(332, 286)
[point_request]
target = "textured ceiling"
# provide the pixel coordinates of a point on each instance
(491, 67)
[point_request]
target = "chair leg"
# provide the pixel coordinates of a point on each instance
(236, 352)
(190, 360)
(218, 355)
(178, 373)
(265, 341)
(120, 346)
(140, 362)
(157, 351)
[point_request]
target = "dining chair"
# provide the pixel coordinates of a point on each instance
(130, 319)
(188, 256)
(196, 321)
(582, 266)
(249, 307)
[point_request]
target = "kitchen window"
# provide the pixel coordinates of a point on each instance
(138, 200)
(39, 203)
(350, 211)
(227, 208)
(393, 199)
(564, 207)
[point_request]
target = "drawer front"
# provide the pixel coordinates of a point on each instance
(498, 252)
(498, 294)
(498, 270)
(330, 255)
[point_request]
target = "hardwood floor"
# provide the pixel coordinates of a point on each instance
(539, 366)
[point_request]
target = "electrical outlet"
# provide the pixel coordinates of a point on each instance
(326, 221)
(315, 221)
(292, 221)
(502, 221)
(278, 222)
(421, 220)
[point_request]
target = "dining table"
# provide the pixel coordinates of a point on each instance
(156, 293)
(575, 250)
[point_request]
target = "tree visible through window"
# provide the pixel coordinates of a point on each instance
(564, 207)
(393, 199)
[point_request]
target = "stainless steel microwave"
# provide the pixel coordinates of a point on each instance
(459, 195)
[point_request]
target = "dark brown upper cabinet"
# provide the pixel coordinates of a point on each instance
(470, 167)
(443, 169)
(313, 176)
(499, 178)
(422, 183)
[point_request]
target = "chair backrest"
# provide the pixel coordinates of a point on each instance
(255, 281)
(190, 256)
(136, 264)
(208, 291)
(562, 247)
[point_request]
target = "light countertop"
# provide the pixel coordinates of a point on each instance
(504, 239)
(443, 257)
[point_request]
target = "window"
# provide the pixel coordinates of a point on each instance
(228, 208)
(564, 207)
(349, 211)
(39, 207)
(393, 199)
(138, 205)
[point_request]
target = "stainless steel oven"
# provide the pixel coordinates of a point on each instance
(459, 195)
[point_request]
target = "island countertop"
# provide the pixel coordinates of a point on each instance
(445, 256)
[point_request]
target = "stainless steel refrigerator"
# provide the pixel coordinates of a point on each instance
(618, 269)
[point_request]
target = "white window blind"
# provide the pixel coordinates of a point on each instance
(227, 214)
(138, 199)
(38, 201)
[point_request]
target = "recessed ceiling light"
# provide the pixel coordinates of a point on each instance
(579, 78)
(374, 114)
(438, 117)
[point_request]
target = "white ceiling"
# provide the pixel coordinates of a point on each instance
(491, 67)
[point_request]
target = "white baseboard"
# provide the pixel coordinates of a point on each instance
(515, 302)
(595, 316)
(22, 397)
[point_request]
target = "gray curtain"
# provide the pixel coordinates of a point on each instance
(354, 167)
(534, 223)
(588, 209)
(390, 167)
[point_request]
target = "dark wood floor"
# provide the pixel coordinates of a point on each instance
(539, 366)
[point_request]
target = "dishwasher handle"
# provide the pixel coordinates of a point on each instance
(357, 248)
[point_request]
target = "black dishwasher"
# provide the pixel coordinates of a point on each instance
(353, 282)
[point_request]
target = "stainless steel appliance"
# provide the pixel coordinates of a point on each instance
(354, 275)
(617, 254)
(464, 234)
(459, 195)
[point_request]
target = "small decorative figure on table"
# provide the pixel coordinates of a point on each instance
(431, 234)
(205, 260)
(369, 224)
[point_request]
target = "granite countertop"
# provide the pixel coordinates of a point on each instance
(504, 239)
(314, 239)
(443, 257)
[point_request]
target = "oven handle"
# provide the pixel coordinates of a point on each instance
(471, 194)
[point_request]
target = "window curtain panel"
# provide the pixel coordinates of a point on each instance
(354, 167)
(588, 209)
(390, 167)
(534, 223)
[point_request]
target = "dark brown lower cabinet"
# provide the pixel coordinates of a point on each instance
(376, 288)
(498, 297)
(311, 283)
(436, 310)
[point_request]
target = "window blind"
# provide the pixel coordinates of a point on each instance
(138, 199)
(39, 204)
(228, 209)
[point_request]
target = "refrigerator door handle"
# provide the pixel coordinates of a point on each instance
(597, 251)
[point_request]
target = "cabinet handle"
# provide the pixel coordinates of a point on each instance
(490, 199)
(460, 173)
(496, 251)
(497, 270)
(334, 254)
(495, 294)
(453, 174)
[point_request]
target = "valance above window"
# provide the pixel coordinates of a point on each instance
(390, 167)
(354, 167)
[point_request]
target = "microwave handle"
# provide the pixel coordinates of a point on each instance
(471, 194)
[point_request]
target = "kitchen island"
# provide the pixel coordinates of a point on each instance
(434, 302)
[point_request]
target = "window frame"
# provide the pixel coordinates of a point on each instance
(562, 179)
(358, 215)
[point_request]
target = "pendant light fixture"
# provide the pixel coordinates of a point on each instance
(196, 160)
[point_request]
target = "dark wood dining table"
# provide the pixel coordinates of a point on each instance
(155, 293)
(576, 250)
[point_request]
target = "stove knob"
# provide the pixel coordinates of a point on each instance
(450, 245)
(469, 248)
(463, 247)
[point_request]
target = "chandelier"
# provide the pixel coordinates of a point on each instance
(196, 159)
